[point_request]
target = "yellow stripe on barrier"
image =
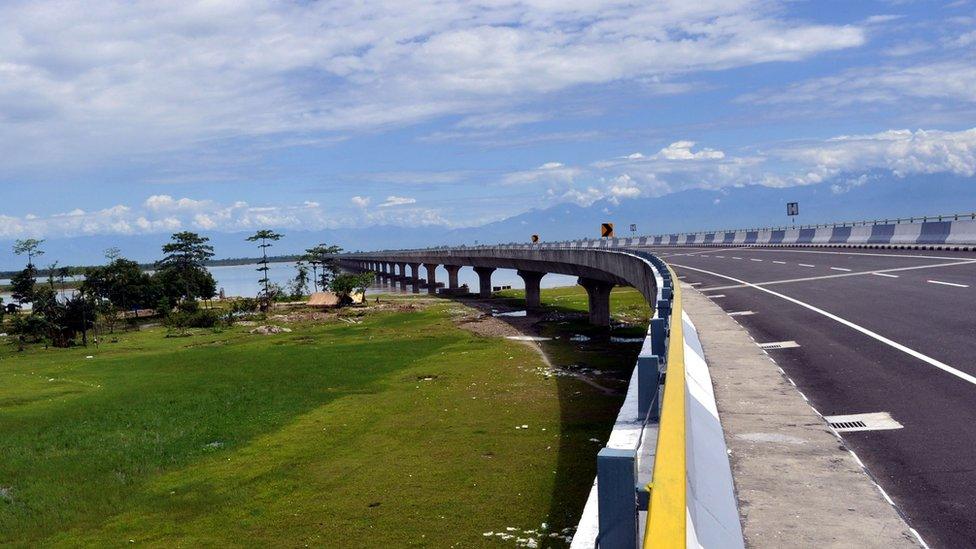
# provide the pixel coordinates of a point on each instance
(666, 516)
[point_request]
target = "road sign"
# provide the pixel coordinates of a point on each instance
(792, 208)
(535, 238)
(633, 227)
(606, 230)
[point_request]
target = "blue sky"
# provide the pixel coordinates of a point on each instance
(127, 118)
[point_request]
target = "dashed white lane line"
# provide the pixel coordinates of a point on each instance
(714, 296)
(948, 283)
(874, 335)
(720, 256)
(753, 259)
(733, 257)
(742, 313)
(805, 265)
(840, 269)
(780, 262)
(886, 275)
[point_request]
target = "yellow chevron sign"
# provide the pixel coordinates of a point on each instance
(606, 230)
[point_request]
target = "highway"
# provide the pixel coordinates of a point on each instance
(875, 331)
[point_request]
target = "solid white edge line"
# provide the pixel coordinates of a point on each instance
(894, 344)
(947, 283)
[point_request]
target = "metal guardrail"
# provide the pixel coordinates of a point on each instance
(666, 515)
(620, 498)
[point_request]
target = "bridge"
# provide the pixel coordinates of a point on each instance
(861, 326)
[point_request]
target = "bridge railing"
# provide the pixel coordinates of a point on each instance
(654, 438)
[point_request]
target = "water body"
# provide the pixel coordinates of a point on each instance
(242, 280)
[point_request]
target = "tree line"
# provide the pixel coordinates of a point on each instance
(177, 283)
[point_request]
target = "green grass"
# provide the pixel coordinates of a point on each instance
(325, 436)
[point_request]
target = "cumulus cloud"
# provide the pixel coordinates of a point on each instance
(844, 162)
(681, 150)
(360, 201)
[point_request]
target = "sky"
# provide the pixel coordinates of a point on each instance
(144, 117)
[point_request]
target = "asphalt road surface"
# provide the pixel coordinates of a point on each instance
(877, 331)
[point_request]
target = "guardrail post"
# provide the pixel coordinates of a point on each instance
(616, 478)
(658, 334)
(648, 378)
(664, 309)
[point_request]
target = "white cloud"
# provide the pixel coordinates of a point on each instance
(397, 201)
(845, 162)
(681, 150)
(90, 81)
(950, 79)
(360, 201)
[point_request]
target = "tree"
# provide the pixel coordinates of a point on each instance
(265, 236)
(345, 285)
(326, 257)
(29, 246)
(122, 283)
(299, 285)
(23, 284)
(181, 272)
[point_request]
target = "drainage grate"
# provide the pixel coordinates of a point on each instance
(877, 421)
(779, 345)
(847, 425)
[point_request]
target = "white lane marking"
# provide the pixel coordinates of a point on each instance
(703, 255)
(948, 283)
(715, 296)
(874, 335)
(736, 257)
(720, 256)
(778, 345)
(907, 255)
(841, 269)
(694, 283)
(780, 262)
(742, 313)
(805, 265)
(752, 259)
(845, 275)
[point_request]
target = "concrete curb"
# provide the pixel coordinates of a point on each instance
(796, 483)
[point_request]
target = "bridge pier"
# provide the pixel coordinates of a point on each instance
(431, 277)
(403, 277)
(533, 298)
(484, 280)
(414, 277)
(598, 296)
(452, 276)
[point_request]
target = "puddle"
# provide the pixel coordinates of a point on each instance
(528, 338)
(509, 313)
(615, 339)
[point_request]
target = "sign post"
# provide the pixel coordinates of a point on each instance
(793, 210)
(606, 230)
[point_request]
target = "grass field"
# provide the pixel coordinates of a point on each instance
(397, 431)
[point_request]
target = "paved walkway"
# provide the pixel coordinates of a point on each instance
(796, 482)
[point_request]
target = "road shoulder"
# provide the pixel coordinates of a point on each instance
(796, 482)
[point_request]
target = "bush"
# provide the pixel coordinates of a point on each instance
(189, 306)
(203, 319)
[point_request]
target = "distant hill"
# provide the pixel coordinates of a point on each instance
(685, 211)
